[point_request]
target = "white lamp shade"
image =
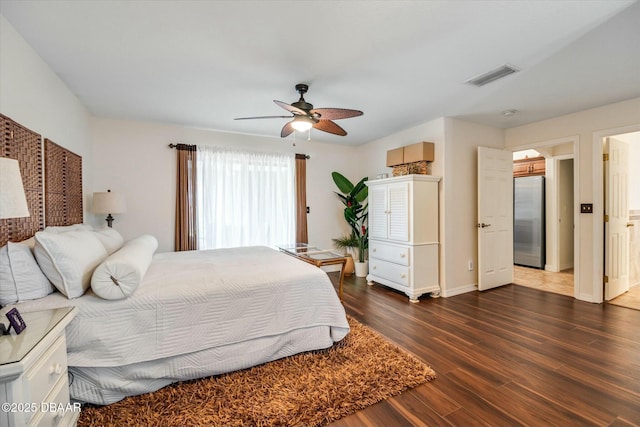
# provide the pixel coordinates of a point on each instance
(302, 124)
(13, 202)
(109, 203)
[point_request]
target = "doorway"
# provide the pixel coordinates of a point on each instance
(622, 261)
(544, 218)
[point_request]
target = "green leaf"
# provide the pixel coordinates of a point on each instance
(342, 197)
(348, 241)
(361, 191)
(343, 183)
(350, 216)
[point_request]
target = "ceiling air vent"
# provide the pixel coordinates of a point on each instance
(492, 75)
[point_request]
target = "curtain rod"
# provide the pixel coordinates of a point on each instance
(306, 156)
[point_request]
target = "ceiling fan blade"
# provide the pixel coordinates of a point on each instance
(287, 129)
(291, 108)
(335, 113)
(263, 117)
(330, 127)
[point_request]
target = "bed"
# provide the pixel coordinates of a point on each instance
(145, 320)
(195, 314)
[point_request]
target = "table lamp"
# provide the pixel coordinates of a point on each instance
(109, 203)
(13, 202)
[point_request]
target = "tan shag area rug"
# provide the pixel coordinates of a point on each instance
(309, 389)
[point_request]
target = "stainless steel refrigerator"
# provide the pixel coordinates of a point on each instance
(528, 221)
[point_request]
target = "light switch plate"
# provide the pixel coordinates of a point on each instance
(586, 208)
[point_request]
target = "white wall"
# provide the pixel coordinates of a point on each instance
(134, 158)
(32, 94)
(588, 126)
(633, 139)
(459, 212)
(373, 155)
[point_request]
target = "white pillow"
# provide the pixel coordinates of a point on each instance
(120, 274)
(110, 239)
(20, 277)
(30, 242)
(66, 228)
(68, 259)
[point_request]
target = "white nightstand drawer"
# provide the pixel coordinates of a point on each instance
(55, 408)
(45, 373)
(387, 252)
(34, 371)
(387, 270)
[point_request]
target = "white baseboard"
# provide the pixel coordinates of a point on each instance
(446, 293)
(552, 268)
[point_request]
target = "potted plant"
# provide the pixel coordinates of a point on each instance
(355, 213)
(347, 243)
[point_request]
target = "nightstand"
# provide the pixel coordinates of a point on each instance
(34, 385)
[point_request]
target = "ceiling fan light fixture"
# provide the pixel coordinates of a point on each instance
(306, 117)
(302, 124)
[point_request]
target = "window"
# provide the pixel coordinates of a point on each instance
(244, 198)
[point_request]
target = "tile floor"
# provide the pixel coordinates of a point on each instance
(559, 283)
(629, 299)
(562, 283)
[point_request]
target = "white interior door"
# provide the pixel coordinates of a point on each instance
(495, 218)
(616, 246)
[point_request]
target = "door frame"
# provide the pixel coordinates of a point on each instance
(559, 162)
(575, 141)
(553, 261)
(598, 206)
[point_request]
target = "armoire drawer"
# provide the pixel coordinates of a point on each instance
(392, 253)
(387, 270)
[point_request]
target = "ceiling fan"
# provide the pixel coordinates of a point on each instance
(305, 116)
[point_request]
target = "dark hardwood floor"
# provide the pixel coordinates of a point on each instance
(511, 356)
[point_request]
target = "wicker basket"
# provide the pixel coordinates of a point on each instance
(418, 168)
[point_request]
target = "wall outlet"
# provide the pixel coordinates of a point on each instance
(470, 265)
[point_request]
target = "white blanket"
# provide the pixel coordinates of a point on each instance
(199, 300)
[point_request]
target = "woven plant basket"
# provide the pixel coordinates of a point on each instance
(418, 168)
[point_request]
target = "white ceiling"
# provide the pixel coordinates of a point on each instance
(203, 63)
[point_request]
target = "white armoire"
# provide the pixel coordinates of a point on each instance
(403, 234)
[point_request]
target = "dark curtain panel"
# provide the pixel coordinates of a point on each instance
(301, 199)
(186, 229)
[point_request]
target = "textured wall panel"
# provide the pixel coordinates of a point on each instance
(63, 179)
(24, 145)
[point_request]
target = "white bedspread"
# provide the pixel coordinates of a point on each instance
(201, 300)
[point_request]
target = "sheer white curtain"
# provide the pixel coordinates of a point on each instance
(244, 198)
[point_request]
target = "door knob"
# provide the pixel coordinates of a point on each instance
(483, 225)
(630, 224)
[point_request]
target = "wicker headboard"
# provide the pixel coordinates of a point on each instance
(22, 144)
(63, 185)
(61, 176)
